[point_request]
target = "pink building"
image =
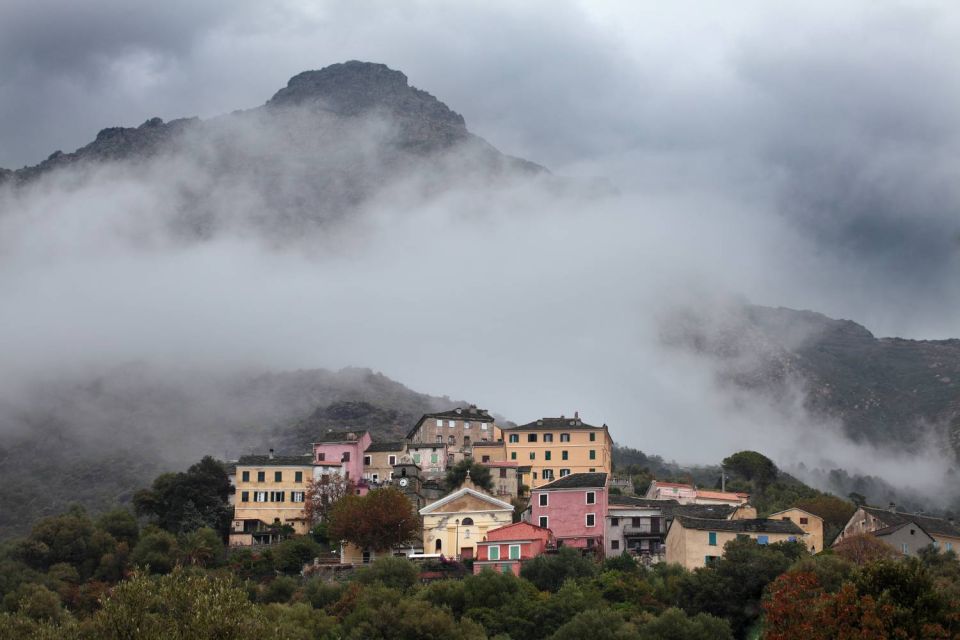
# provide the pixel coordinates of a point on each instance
(505, 549)
(344, 448)
(573, 507)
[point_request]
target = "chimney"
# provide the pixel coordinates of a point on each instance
(271, 454)
(892, 507)
(576, 415)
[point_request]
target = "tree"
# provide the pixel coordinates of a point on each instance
(121, 524)
(182, 502)
(674, 624)
(378, 521)
(863, 548)
(322, 494)
(752, 466)
(479, 475)
(157, 550)
(396, 573)
(548, 573)
(290, 555)
(202, 547)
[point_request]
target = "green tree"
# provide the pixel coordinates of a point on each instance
(548, 573)
(382, 519)
(121, 524)
(290, 555)
(182, 502)
(479, 475)
(596, 625)
(202, 547)
(157, 550)
(752, 466)
(396, 573)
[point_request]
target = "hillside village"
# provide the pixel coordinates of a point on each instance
(552, 486)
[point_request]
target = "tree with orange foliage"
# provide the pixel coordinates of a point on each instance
(382, 519)
(864, 548)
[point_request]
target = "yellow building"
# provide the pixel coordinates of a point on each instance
(454, 524)
(696, 542)
(379, 460)
(811, 524)
(269, 490)
(557, 447)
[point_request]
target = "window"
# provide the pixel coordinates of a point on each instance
(564, 437)
(439, 439)
(564, 455)
(591, 469)
(804, 520)
(278, 476)
(614, 544)
(375, 477)
(259, 496)
(534, 475)
(439, 422)
(485, 459)
(791, 538)
(514, 552)
(466, 425)
(903, 548)
(296, 496)
(505, 568)
(484, 426)
(548, 437)
(503, 472)
(564, 472)
(514, 438)
(434, 458)
(544, 520)
(451, 423)
(533, 455)
(949, 546)
(298, 476)
(277, 496)
(786, 518)
(513, 455)
(261, 476)
(367, 461)
(246, 476)
(763, 539)
(614, 522)
(244, 496)
(591, 497)
(709, 560)
(543, 500)
(593, 454)
(416, 458)
(321, 456)
(452, 440)
(712, 538)
(493, 552)
(345, 457)
(591, 520)
(531, 437)
(392, 460)
(466, 441)
(593, 437)
(548, 474)
(546, 455)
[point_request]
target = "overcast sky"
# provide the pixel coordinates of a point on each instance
(801, 154)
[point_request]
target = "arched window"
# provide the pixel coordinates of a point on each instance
(467, 521)
(438, 545)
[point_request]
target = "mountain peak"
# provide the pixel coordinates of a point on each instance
(354, 88)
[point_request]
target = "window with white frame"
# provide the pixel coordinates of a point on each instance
(484, 426)
(548, 437)
(296, 496)
(514, 552)
(259, 496)
(439, 422)
(544, 522)
(591, 519)
(514, 437)
(392, 460)
(564, 437)
(591, 497)
(466, 425)
(543, 500)
(493, 552)
(564, 472)
(451, 423)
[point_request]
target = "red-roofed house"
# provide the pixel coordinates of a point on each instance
(506, 548)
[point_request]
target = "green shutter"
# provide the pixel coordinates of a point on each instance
(712, 538)
(593, 454)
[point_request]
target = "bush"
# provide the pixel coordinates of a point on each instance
(290, 555)
(280, 589)
(549, 572)
(397, 573)
(157, 550)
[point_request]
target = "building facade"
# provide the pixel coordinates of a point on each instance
(811, 524)
(345, 448)
(507, 548)
(458, 429)
(558, 447)
(453, 525)
(573, 507)
(506, 479)
(270, 492)
(379, 459)
(945, 534)
(432, 458)
(696, 542)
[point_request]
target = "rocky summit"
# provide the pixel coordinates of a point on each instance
(336, 98)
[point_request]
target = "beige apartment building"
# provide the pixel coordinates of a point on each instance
(270, 490)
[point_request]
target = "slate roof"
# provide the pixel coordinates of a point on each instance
(759, 525)
(672, 508)
(376, 447)
(554, 424)
(275, 461)
(886, 531)
(342, 436)
(633, 501)
(488, 443)
(469, 413)
(933, 526)
(576, 481)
